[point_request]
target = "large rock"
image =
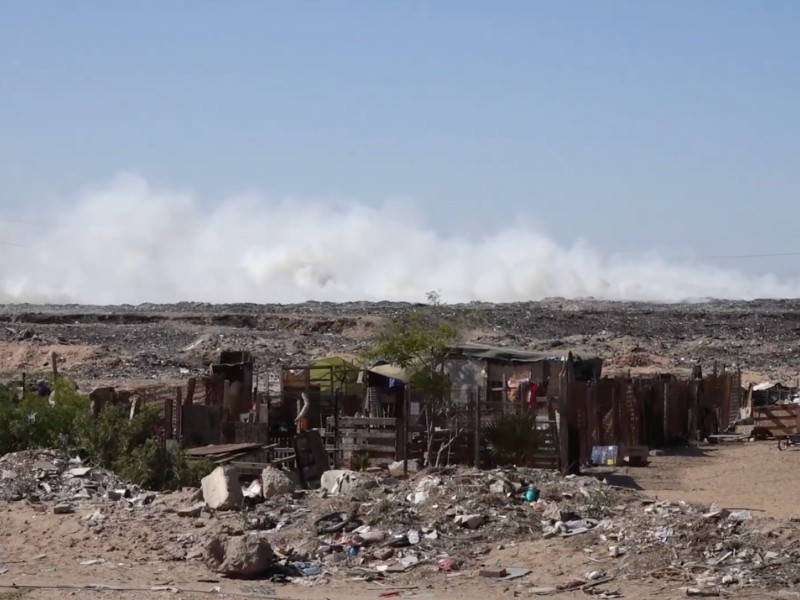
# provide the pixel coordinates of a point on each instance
(275, 482)
(222, 490)
(243, 556)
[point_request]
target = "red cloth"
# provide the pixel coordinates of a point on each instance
(532, 391)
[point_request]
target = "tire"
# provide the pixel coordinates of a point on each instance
(783, 443)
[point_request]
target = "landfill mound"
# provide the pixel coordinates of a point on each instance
(123, 344)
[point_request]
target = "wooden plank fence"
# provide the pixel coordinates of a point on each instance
(778, 420)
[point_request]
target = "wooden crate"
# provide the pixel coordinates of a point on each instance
(633, 456)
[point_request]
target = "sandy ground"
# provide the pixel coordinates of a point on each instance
(755, 476)
(42, 549)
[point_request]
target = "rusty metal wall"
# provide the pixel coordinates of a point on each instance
(646, 412)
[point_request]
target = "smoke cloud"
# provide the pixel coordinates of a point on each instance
(127, 242)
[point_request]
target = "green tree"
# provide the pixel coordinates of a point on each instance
(419, 341)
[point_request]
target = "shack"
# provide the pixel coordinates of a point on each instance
(510, 374)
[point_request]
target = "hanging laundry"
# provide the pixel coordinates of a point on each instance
(533, 390)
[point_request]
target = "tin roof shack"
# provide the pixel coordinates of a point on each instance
(328, 382)
(767, 393)
(509, 374)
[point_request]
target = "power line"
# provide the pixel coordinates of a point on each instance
(735, 256)
(16, 221)
(720, 256)
(13, 244)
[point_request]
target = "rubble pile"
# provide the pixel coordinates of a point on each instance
(707, 549)
(51, 476)
(452, 519)
(371, 525)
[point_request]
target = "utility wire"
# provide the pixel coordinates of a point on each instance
(734, 256)
(16, 221)
(721, 256)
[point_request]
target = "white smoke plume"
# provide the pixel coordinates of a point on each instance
(127, 242)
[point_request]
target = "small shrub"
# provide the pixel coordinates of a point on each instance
(512, 438)
(599, 504)
(360, 461)
(130, 448)
(36, 422)
(155, 467)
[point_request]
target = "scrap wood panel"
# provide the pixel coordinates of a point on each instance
(547, 455)
(377, 436)
(779, 420)
(630, 414)
(677, 395)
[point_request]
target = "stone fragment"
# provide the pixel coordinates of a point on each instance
(383, 553)
(396, 468)
(469, 521)
(492, 573)
(63, 509)
(275, 482)
(497, 487)
(221, 489)
(341, 482)
(244, 556)
(191, 512)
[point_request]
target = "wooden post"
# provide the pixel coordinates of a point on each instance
(23, 385)
(178, 413)
(336, 429)
(189, 399)
(614, 413)
(563, 424)
(134, 407)
(477, 426)
(226, 399)
(54, 365)
(168, 406)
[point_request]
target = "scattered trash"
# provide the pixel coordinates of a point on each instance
(446, 565)
(492, 573)
(740, 516)
(469, 521)
(515, 573)
(333, 522)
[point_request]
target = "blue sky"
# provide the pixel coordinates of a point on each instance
(632, 125)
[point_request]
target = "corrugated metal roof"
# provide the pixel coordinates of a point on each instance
(390, 371)
(511, 354)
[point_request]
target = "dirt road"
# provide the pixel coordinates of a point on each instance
(752, 476)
